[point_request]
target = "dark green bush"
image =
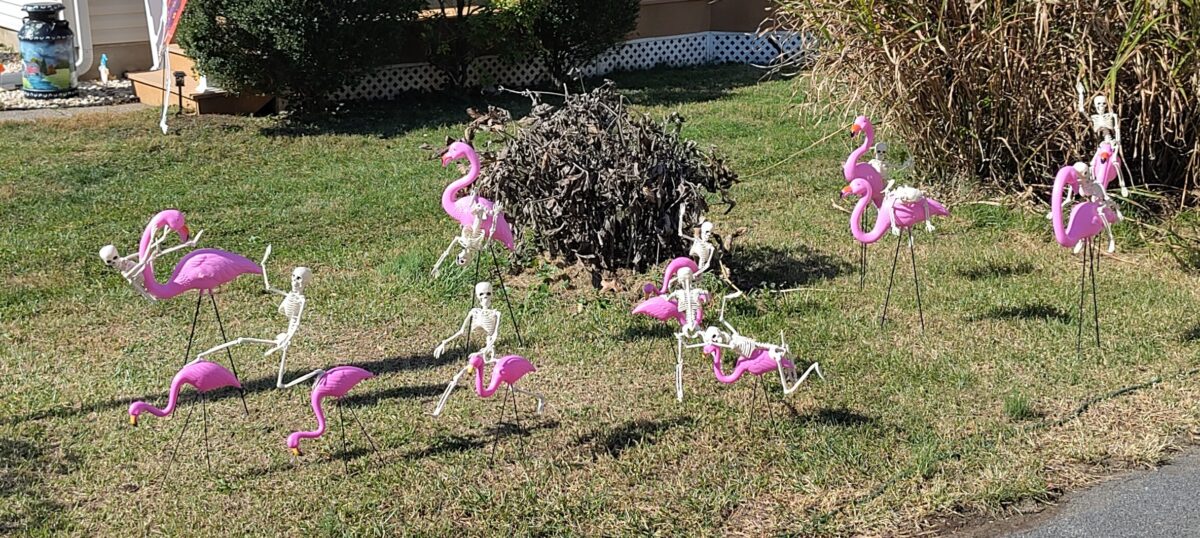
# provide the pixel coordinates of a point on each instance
(460, 31)
(572, 33)
(302, 50)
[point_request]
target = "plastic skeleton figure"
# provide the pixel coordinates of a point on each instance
(472, 239)
(132, 271)
(483, 318)
(745, 346)
(1094, 191)
(702, 248)
(689, 300)
(908, 195)
(292, 307)
(1105, 123)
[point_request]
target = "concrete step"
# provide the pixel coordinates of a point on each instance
(148, 85)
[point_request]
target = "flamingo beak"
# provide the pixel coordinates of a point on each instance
(446, 160)
(1104, 155)
(854, 130)
(296, 452)
(184, 233)
(133, 420)
(846, 191)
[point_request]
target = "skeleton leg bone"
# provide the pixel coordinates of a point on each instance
(449, 388)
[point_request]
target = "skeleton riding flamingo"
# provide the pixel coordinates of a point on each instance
(334, 383)
(902, 209)
(1088, 219)
(660, 306)
(459, 208)
(854, 169)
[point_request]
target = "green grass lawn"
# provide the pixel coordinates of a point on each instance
(976, 416)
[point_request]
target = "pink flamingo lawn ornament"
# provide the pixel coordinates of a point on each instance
(1088, 219)
(206, 377)
(659, 305)
(507, 370)
(854, 169)
(202, 270)
(901, 209)
(460, 209)
(334, 383)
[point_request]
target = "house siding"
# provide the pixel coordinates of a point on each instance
(113, 21)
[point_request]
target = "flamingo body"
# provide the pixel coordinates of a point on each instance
(1084, 221)
(205, 270)
(205, 376)
(1105, 164)
(908, 214)
(172, 218)
(459, 208)
(663, 309)
(334, 383)
(507, 370)
(759, 362)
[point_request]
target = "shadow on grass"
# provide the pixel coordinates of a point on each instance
(27, 466)
(396, 393)
(454, 443)
(754, 266)
(839, 417)
(267, 383)
(1191, 335)
(413, 111)
(667, 87)
(649, 329)
(1039, 311)
(990, 270)
(614, 442)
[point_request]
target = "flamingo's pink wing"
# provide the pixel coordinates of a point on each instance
(659, 308)
(511, 368)
(1085, 221)
(339, 380)
(503, 230)
(206, 376)
(937, 208)
(208, 268)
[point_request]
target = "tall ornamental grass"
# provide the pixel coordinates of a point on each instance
(986, 89)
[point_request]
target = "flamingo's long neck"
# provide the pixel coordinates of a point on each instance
(720, 374)
(856, 155)
(295, 437)
(449, 196)
(172, 399)
(156, 289)
(1056, 209)
(488, 391)
(881, 220)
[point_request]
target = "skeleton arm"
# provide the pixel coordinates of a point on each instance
(267, 283)
(315, 373)
(153, 253)
(441, 348)
(721, 317)
(682, 211)
(232, 343)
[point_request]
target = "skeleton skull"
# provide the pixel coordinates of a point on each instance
(1101, 104)
(483, 292)
(881, 149)
(1082, 170)
(714, 335)
(300, 276)
(706, 229)
(685, 275)
(110, 256)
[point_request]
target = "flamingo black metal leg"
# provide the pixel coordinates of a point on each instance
(204, 413)
(767, 400)
(1082, 287)
(229, 353)
(916, 282)
(891, 280)
(499, 423)
(345, 446)
(1095, 257)
(187, 355)
(366, 434)
(862, 267)
(504, 289)
(179, 439)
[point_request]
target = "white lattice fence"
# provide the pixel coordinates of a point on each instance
(675, 51)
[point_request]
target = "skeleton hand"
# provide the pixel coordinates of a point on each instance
(437, 351)
(196, 239)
